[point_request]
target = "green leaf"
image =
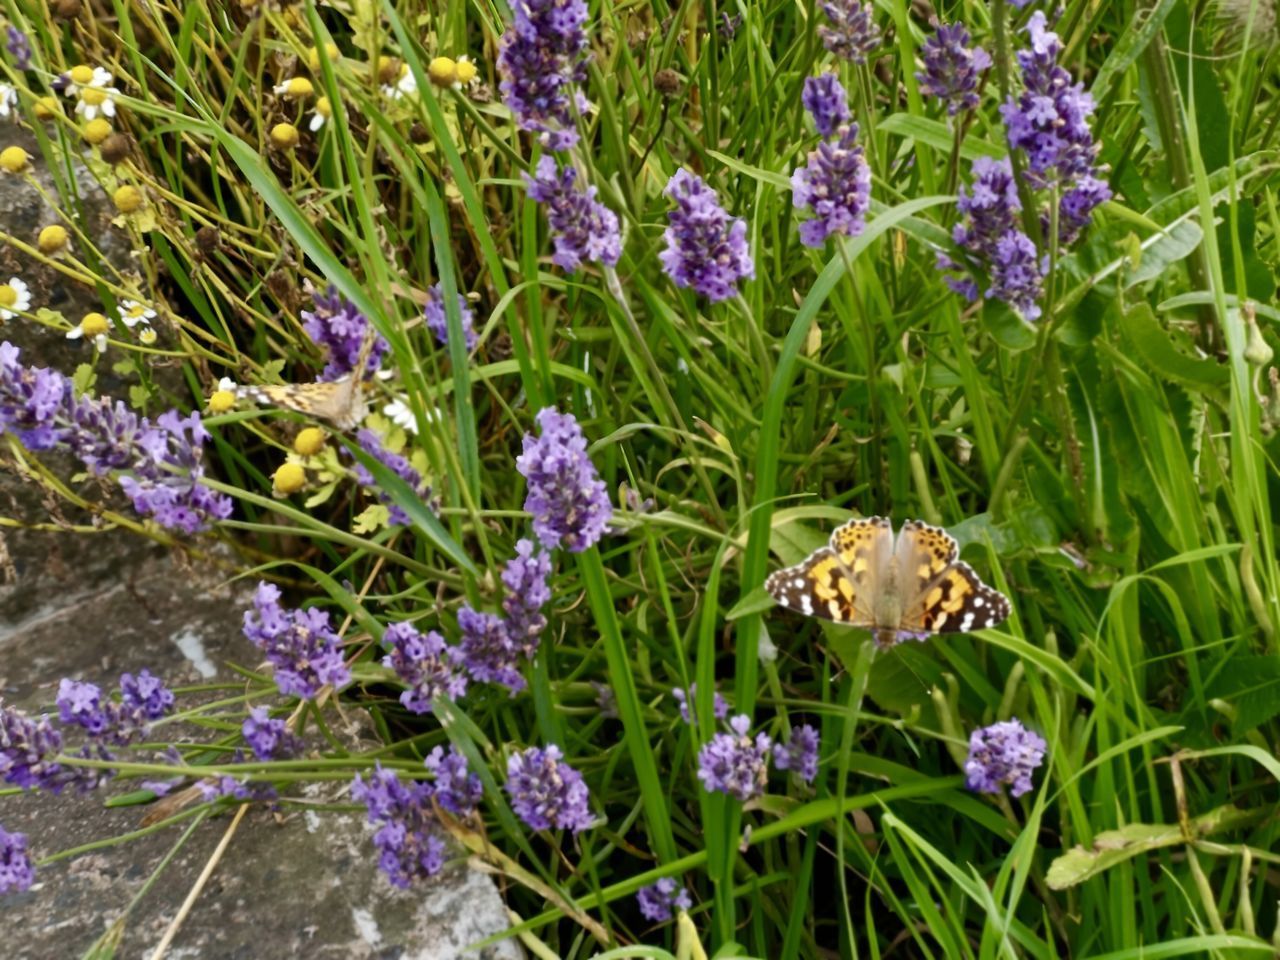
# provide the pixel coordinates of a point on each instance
(1252, 686)
(1158, 353)
(938, 135)
(757, 601)
(1177, 243)
(1135, 39)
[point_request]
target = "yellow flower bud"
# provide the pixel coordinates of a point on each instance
(324, 107)
(97, 130)
(46, 108)
(313, 56)
(81, 74)
(309, 441)
(128, 199)
(14, 159)
(299, 88)
(52, 238)
(289, 478)
(466, 71)
(94, 325)
(284, 136)
(221, 401)
(442, 71)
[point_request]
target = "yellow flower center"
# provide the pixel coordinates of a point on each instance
(94, 325)
(309, 441)
(442, 71)
(13, 159)
(52, 239)
(46, 107)
(221, 401)
(8, 295)
(284, 135)
(289, 478)
(324, 107)
(97, 130)
(466, 71)
(298, 88)
(127, 198)
(313, 56)
(80, 75)
(93, 96)
(147, 337)
(136, 312)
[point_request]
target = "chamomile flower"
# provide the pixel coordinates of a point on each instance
(8, 101)
(97, 96)
(93, 326)
(398, 412)
(15, 298)
(400, 84)
(81, 76)
(455, 74)
(296, 88)
(324, 110)
(133, 313)
(224, 398)
(146, 336)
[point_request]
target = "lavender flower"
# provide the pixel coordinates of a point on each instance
(19, 47)
(409, 837)
(545, 792)
(26, 746)
(657, 899)
(853, 33)
(1003, 753)
(269, 737)
(142, 699)
(1076, 206)
(299, 644)
(229, 787)
(16, 870)
(339, 328)
(527, 592)
(826, 101)
(719, 706)
(1017, 273)
(542, 59)
(706, 248)
(425, 664)
(835, 185)
(164, 461)
(456, 788)
(1049, 120)
(487, 651)
(371, 444)
(952, 70)
(582, 228)
(438, 322)
(566, 496)
(800, 755)
(733, 763)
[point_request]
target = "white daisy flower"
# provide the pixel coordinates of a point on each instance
(398, 412)
(15, 298)
(8, 101)
(96, 101)
(324, 110)
(93, 327)
(133, 313)
(83, 75)
(404, 85)
(146, 336)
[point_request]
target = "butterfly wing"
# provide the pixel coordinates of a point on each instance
(837, 582)
(340, 402)
(941, 593)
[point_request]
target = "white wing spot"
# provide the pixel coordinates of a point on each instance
(798, 583)
(967, 623)
(806, 605)
(979, 602)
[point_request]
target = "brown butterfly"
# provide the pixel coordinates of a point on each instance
(341, 402)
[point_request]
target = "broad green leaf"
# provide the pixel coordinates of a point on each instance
(1177, 243)
(1158, 353)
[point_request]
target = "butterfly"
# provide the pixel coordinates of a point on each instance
(909, 586)
(342, 402)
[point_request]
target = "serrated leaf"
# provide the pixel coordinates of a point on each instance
(1160, 355)
(84, 379)
(138, 396)
(1006, 327)
(371, 519)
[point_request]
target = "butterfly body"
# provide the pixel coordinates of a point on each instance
(909, 585)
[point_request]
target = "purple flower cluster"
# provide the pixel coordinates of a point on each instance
(835, 186)
(335, 325)
(426, 665)
(706, 248)
(492, 646)
(1003, 753)
(720, 706)
(457, 789)
(299, 644)
(546, 793)
(16, 870)
(409, 839)
(26, 746)
(233, 788)
(566, 496)
(582, 228)
(19, 47)
(734, 763)
(800, 754)
(825, 99)
(852, 33)
(438, 322)
(142, 699)
(269, 737)
(657, 899)
(542, 59)
(163, 460)
(371, 444)
(951, 69)
(990, 232)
